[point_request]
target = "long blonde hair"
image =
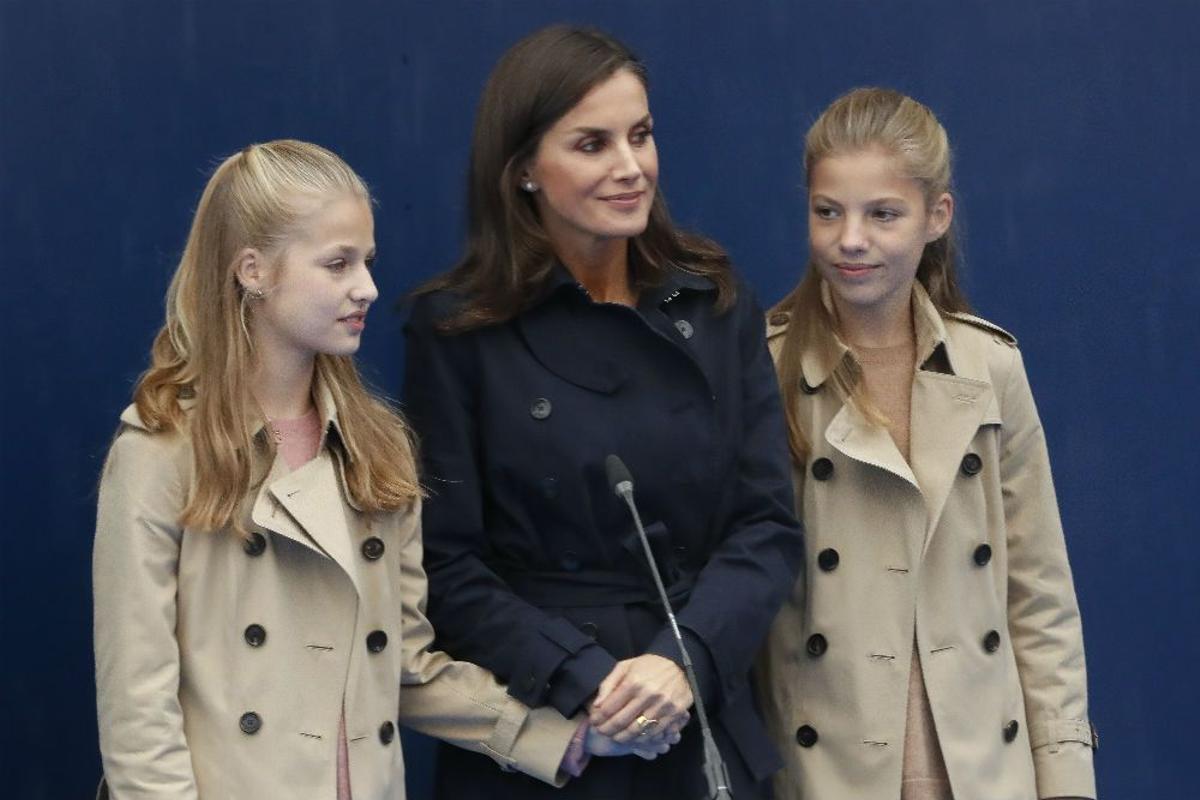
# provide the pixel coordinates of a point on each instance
(859, 120)
(255, 198)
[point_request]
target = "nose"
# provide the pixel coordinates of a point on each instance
(364, 291)
(626, 167)
(852, 237)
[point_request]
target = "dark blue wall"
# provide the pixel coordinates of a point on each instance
(1075, 123)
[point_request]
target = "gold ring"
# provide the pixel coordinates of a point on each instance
(644, 723)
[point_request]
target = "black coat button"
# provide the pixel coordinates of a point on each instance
(971, 465)
(376, 641)
(991, 642)
(387, 731)
(589, 629)
(256, 545)
(570, 561)
(372, 549)
(250, 723)
(540, 409)
(822, 469)
(685, 328)
(808, 388)
(982, 555)
(1011, 729)
(550, 488)
(255, 635)
(806, 735)
(828, 559)
(817, 645)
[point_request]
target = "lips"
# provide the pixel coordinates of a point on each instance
(624, 198)
(854, 270)
(357, 321)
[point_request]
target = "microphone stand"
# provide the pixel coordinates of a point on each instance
(714, 767)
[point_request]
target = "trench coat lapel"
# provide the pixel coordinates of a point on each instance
(556, 341)
(852, 435)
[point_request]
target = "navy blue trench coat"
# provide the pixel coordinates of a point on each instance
(535, 571)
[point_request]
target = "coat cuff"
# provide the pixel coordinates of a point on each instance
(1062, 758)
(664, 645)
(578, 677)
(539, 749)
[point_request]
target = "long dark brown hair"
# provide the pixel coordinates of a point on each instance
(856, 121)
(508, 255)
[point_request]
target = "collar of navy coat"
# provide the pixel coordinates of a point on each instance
(566, 350)
(953, 390)
(307, 505)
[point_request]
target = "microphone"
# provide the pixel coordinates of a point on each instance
(714, 767)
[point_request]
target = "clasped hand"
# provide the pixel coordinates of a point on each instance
(642, 704)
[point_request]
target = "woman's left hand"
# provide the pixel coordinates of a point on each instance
(642, 696)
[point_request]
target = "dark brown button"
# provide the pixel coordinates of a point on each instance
(778, 318)
(991, 642)
(822, 469)
(982, 555)
(256, 545)
(589, 629)
(372, 549)
(1011, 729)
(250, 723)
(971, 465)
(828, 559)
(255, 635)
(541, 408)
(376, 641)
(817, 645)
(387, 731)
(806, 736)
(808, 388)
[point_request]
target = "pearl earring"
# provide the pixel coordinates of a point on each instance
(528, 185)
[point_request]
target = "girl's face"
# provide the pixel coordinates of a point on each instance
(317, 291)
(868, 224)
(596, 169)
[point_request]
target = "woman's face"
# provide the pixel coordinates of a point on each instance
(868, 224)
(317, 291)
(596, 169)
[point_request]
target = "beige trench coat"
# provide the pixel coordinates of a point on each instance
(221, 666)
(967, 543)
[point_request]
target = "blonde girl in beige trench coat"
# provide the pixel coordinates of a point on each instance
(932, 648)
(259, 597)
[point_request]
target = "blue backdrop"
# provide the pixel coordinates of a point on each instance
(1075, 125)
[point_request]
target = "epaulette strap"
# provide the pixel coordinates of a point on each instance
(998, 333)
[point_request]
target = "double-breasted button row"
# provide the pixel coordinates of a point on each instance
(982, 555)
(971, 465)
(570, 561)
(1010, 730)
(806, 736)
(589, 629)
(540, 408)
(816, 645)
(255, 544)
(807, 387)
(822, 469)
(991, 641)
(387, 732)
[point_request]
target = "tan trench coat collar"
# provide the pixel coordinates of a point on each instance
(952, 396)
(305, 505)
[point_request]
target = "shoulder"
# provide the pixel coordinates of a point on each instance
(425, 311)
(145, 456)
(976, 340)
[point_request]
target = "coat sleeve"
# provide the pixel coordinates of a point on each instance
(754, 567)
(543, 658)
(464, 704)
(134, 567)
(1043, 615)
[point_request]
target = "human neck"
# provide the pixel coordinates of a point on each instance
(602, 269)
(887, 326)
(283, 386)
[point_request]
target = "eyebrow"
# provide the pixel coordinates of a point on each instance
(603, 131)
(346, 250)
(873, 202)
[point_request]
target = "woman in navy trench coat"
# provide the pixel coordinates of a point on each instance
(655, 353)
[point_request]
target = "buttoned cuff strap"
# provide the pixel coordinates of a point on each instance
(1054, 732)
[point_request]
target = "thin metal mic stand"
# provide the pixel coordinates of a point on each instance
(714, 767)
